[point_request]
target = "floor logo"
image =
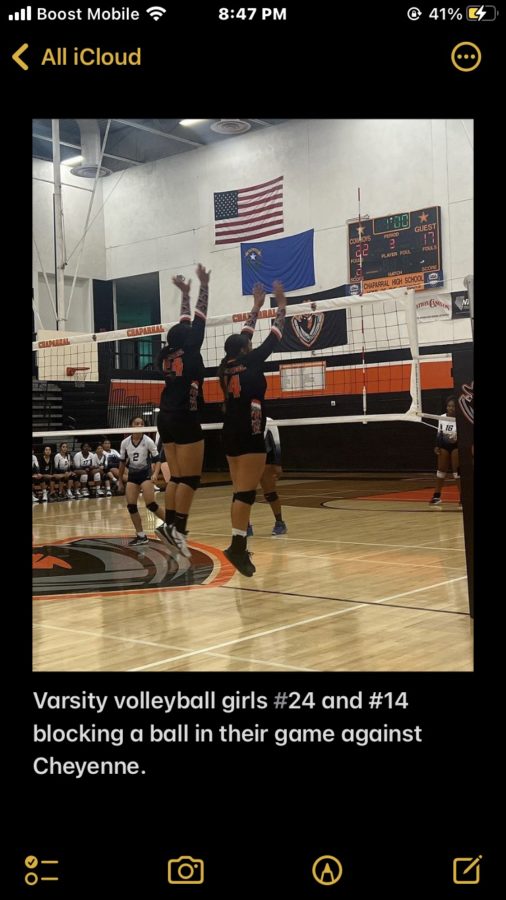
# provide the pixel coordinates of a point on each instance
(90, 565)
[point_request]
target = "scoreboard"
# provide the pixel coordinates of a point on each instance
(400, 250)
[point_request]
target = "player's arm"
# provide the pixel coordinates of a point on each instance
(258, 302)
(184, 287)
(276, 333)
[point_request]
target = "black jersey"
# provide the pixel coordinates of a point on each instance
(184, 369)
(46, 465)
(245, 384)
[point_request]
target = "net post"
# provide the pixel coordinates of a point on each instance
(415, 382)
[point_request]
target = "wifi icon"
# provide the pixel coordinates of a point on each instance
(156, 12)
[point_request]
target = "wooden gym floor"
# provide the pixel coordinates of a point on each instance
(369, 578)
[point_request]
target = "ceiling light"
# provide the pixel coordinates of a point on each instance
(189, 122)
(72, 161)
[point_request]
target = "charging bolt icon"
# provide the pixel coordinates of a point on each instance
(481, 13)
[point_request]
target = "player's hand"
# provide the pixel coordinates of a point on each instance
(258, 296)
(184, 286)
(279, 294)
(202, 275)
(437, 450)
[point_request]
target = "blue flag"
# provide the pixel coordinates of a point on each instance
(289, 260)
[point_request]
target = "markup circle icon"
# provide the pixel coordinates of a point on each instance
(327, 870)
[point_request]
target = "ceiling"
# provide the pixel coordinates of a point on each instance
(132, 142)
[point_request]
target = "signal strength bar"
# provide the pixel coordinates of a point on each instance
(24, 15)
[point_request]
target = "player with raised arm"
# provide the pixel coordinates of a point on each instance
(244, 386)
(180, 404)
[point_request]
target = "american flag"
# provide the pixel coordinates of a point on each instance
(249, 213)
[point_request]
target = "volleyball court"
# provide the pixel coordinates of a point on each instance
(368, 576)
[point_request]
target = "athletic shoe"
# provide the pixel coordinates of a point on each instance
(279, 528)
(35, 499)
(108, 493)
(180, 542)
(137, 541)
(435, 500)
(100, 493)
(249, 532)
(70, 495)
(164, 533)
(241, 561)
(44, 497)
(174, 538)
(77, 495)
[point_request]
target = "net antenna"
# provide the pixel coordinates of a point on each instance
(361, 291)
(78, 373)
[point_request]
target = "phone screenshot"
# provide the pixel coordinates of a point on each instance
(251, 658)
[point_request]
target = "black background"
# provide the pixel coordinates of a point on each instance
(394, 814)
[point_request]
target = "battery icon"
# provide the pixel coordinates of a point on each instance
(481, 13)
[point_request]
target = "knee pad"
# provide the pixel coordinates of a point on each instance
(175, 479)
(271, 497)
(456, 475)
(246, 497)
(192, 481)
(84, 479)
(132, 508)
(152, 506)
(440, 474)
(97, 476)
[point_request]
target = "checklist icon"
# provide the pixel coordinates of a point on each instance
(32, 877)
(466, 869)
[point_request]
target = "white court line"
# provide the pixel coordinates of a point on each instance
(260, 634)
(367, 559)
(113, 637)
(457, 537)
(263, 662)
(418, 590)
(226, 534)
(109, 637)
(289, 538)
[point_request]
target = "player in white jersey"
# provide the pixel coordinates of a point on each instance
(85, 467)
(161, 465)
(447, 451)
(111, 468)
(138, 451)
(63, 472)
(270, 477)
(36, 478)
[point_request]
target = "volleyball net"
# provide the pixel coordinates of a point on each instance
(359, 356)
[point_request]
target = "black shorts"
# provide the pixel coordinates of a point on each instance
(137, 476)
(178, 431)
(273, 457)
(237, 442)
(449, 446)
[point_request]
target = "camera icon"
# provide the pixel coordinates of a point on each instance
(186, 870)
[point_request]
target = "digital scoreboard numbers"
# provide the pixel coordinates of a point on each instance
(401, 250)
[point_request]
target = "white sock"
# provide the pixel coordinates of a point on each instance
(238, 531)
(140, 534)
